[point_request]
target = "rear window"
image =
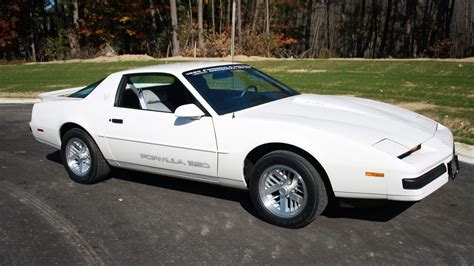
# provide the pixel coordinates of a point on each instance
(82, 93)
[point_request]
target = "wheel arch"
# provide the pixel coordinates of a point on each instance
(70, 125)
(258, 152)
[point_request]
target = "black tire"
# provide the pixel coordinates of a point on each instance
(99, 169)
(317, 198)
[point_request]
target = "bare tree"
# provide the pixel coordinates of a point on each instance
(154, 27)
(361, 25)
(255, 14)
(200, 26)
(306, 28)
(191, 22)
(388, 15)
(328, 34)
(174, 28)
(228, 18)
(32, 40)
(221, 15)
(267, 17)
(213, 16)
(73, 32)
(410, 17)
(239, 19)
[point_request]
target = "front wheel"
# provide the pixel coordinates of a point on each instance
(287, 190)
(82, 158)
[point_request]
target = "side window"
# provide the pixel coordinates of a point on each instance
(83, 93)
(154, 91)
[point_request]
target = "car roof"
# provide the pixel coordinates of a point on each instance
(176, 68)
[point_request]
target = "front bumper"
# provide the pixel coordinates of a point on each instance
(426, 170)
(419, 187)
(425, 179)
(419, 182)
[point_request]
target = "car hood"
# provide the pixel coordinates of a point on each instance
(370, 121)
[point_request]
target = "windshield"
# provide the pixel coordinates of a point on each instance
(82, 93)
(236, 87)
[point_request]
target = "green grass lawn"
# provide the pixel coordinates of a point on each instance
(443, 91)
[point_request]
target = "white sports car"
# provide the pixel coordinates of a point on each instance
(230, 124)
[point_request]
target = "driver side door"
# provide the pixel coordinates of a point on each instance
(144, 133)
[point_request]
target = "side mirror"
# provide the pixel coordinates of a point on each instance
(190, 111)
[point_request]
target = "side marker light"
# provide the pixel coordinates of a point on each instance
(373, 174)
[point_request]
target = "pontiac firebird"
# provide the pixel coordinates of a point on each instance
(230, 124)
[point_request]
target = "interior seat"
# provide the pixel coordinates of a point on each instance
(155, 101)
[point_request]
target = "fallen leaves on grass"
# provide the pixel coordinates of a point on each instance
(27, 94)
(416, 106)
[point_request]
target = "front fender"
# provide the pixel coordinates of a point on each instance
(344, 159)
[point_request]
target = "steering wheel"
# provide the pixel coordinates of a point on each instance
(247, 89)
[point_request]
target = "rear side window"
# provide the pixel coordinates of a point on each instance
(82, 93)
(153, 92)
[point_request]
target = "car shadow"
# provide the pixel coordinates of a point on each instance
(188, 186)
(368, 210)
(55, 157)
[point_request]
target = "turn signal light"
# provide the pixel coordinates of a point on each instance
(373, 174)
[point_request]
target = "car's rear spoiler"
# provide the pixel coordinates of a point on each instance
(58, 95)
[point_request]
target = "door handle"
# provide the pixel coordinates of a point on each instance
(116, 121)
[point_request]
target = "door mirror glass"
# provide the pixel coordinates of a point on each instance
(190, 111)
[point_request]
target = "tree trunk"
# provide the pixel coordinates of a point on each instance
(267, 17)
(239, 20)
(307, 30)
(200, 26)
(390, 50)
(191, 26)
(213, 17)
(174, 28)
(255, 15)
(388, 18)
(410, 5)
(414, 37)
(32, 37)
(375, 27)
(229, 7)
(317, 29)
(342, 36)
(154, 27)
(232, 43)
(221, 12)
(449, 18)
(328, 35)
(73, 33)
(361, 33)
(372, 28)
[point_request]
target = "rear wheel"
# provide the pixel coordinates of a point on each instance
(287, 190)
(82, 158)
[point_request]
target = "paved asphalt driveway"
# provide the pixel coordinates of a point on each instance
(46, 218)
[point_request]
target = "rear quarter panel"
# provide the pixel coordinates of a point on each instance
(89, 113)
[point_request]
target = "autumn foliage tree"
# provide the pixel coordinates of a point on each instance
(280, 28)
